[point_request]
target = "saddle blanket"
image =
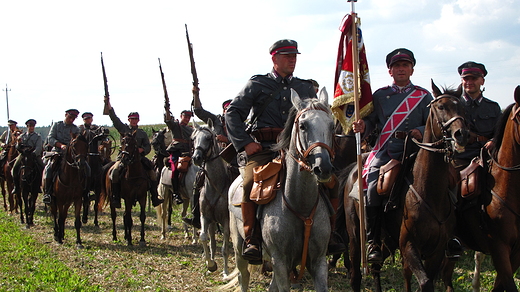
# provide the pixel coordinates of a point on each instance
(166, 176)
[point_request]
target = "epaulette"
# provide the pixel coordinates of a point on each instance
(421, 88)
(383, 88)
(258, 75)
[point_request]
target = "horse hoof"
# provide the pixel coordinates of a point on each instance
(212, 268)
(79, 246)
(142, 243)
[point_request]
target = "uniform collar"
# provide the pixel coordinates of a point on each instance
(404, 89)
(279, 78)
(470, 100)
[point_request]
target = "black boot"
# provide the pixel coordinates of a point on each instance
(251, 251)
(336, 245)
(156, 201)
(195, 211)
(47, 197)
(176, 188)
(373, 215)
(116, 195)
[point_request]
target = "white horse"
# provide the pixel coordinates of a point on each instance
(306, 142)
(213, 195)
(165, 190)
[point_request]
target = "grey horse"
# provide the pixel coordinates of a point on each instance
(306, 143)
(214, 193)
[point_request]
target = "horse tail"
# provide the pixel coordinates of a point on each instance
(103, 195)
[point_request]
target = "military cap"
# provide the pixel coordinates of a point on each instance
(72, 112)
(226, 103)
(187, 113)
(284, 47)
(87, 115)
(11, 122)
(30, 121)
(472, 68)
(400, 54)
(133, 115)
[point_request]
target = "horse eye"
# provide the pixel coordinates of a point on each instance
(302, 126)
(441, 107)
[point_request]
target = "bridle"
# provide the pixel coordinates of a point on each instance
(76, 158)
(443, 144)
(302, 153)
(210, 153)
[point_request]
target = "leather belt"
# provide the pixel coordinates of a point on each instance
(482, 138)
(266, 134)
(400, 134)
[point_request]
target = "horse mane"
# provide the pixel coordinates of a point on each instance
(499, 129)
(284, 139)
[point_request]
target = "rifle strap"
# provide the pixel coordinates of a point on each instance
(264, 106)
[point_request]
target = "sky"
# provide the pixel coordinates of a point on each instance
(50, 50)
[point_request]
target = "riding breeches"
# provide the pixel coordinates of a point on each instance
(115, 173)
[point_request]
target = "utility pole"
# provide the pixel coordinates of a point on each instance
(7, 99)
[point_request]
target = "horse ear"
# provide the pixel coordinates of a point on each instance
(154, 131)
(210, 123)
(296, 100)
(195, 125)
(324, 97)
(436, 90)
(517, 94)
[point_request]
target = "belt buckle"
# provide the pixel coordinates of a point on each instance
(395, 135)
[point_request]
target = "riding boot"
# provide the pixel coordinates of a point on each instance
(177, 188)
(373, 216)
(116, 194)
(16, 184)
(156, 201)
(252, 243)
(47, 196)
(195, 211)
(335, 246)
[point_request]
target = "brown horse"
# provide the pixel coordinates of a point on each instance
(7, 178)
(69, 187)
(491, 222)
(95, 159)
(30, 181)
(134, 187)
(444, 116)
(428, 216)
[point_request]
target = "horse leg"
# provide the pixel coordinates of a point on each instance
(479, 257)
(281, 274)
(500, 253)
(32, 206)
(318, 268)
(142, 217)
(412, 265)
(2, 187)
(54, 212)
(185, 206)
(433, 266)
(113, 215)
(22, 204)
(128, 223)
(162, 210)
(225, 247)
(62, 217)
(86, 207)
(77, 222)
(205, 238)
(354, 245)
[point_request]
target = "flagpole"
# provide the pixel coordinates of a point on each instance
(355, 67)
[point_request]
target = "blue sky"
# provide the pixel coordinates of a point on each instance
(50, 54)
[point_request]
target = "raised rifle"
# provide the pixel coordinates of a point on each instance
(166, 98)
(192, 60)
(107, 95)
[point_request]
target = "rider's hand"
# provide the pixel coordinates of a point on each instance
(141, 150)
(222, 138)
(252, 148)
(416, 134)
(359, 126)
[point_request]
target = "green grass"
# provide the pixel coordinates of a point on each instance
(25, 265)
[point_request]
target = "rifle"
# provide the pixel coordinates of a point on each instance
(192, 60)
(166, 98)
(107, 95)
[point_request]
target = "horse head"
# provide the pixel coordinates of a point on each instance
(204, 143)
(312, 134)
(446, 118)
(77, 151)
(129, 149)
(158, 141)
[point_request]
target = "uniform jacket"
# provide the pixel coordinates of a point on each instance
(142, 138)
(3, 137)
(61, 132)
(181, 136)
(482, 116)
(218, 120)
(252, 97)
(33, 140)
(385, 102)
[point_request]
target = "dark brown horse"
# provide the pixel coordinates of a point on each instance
(134, 187)
(69, 187)
(445, 129)
(30, 182)
(95, 159)
(491, 222)
(428, 216)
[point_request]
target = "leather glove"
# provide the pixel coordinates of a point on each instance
(416, 134)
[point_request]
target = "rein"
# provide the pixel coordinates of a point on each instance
(514, 118)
